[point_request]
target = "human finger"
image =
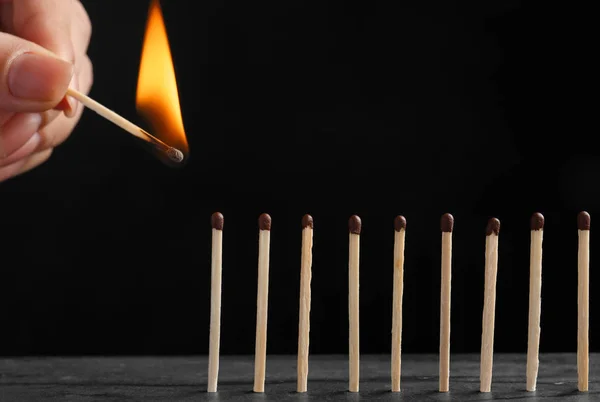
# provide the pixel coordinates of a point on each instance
(33, 78)
(48, 23)
(56, 132)
(24, 165)
(16, 132)
(26, 149)
(81, 29)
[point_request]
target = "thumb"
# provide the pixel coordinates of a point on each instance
(33, 78)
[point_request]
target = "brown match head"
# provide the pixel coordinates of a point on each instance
(307, 221)
(217, 220)
(537, 221)
(264, 222)
(399, 223)
(583, 221)
(493, 226)
(354, 224)
(447, 223)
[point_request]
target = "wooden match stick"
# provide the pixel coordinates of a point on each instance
(489, 305)
(447, 225)
(173, 153)
(399, 235)
(583, 301)
(535, 299)
(215, 301)
(262, 304)
(354, 226)
(304, 319)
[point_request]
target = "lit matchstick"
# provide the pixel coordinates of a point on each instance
(157, 96)
(173, 153)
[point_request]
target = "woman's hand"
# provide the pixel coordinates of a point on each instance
(43, 51)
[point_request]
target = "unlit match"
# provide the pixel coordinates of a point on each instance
(489, 305)
(215, 301)
(447, 225)
(260, 356)
(535, 299)
(398, 290)
(583, 301)
(354, 227)
(174, 154)
(304, 315)
(447, 229)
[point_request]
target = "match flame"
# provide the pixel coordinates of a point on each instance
(157, 98)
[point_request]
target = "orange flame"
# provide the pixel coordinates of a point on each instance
(157, 98)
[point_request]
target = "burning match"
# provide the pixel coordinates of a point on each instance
(172, 153)
(157, 97)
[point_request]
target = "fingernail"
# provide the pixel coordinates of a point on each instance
(39, 77)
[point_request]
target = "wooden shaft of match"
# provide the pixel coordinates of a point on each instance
(398, 291)
(445, 312)
(107, 114)
(583, 310)
(489, 309)
(353, 301)
(215, 309)
(535, 307)
(304, 324)
(260, 357)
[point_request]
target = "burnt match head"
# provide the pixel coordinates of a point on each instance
(493, 226)
(217, 220)
(583, 221)
(264, 222)
(537, 221)
(399, 223)
(175, 155)
(307, 221)
(447, 223)
(354, 224)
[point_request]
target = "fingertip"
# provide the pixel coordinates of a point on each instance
(65, 106)
(68, 106)
(16, 133)
(24, 151)
(39, 78)
(71, 105)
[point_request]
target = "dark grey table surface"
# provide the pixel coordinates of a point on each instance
(185, 379)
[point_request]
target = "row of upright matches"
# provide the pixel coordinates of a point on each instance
(447, 225)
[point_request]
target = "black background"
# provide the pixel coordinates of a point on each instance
(329, 108)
